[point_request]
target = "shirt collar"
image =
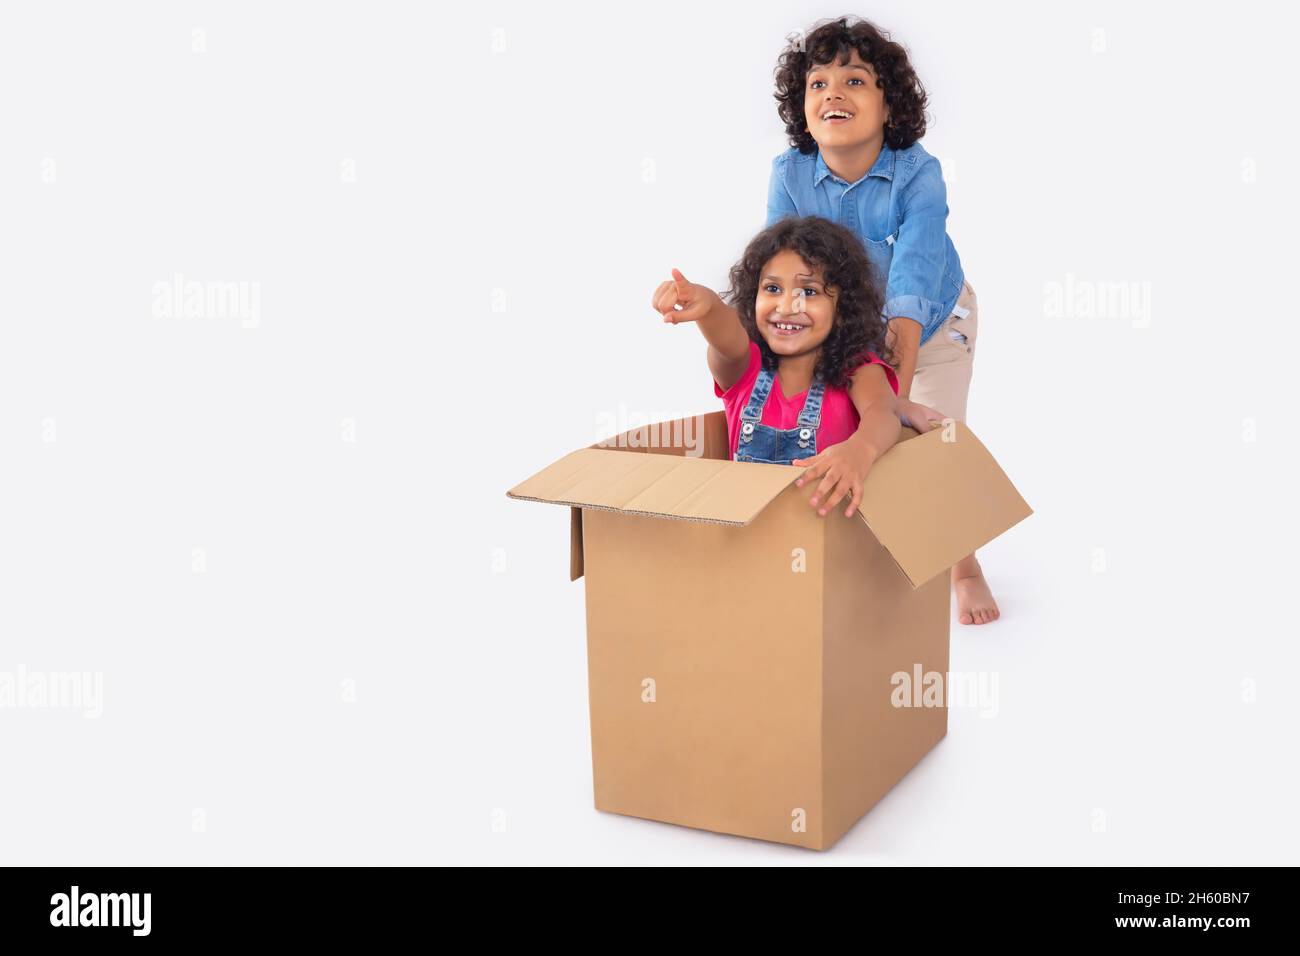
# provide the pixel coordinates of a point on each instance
(883, 167)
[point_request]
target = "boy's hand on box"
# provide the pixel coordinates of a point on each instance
(918, 417)
(843, 469)
(680, 300)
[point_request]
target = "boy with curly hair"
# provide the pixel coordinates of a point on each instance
(854, 111)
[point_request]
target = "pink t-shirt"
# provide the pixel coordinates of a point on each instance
(839, 416)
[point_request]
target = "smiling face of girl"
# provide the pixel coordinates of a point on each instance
(842, 105)
(794, 310)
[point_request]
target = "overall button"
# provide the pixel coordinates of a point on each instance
(805, 433)
(747, 428)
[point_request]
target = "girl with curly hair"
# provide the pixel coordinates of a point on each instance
(854, 111)
(796, 355)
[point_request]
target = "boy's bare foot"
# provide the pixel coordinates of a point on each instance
(975, 604)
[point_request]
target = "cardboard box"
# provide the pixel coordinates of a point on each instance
(743, 651)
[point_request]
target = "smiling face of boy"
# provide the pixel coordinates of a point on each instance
(794, 311)
(842, 105)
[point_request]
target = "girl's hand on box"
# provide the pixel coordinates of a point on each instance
(843, 469)
(680, 300)
(918, 417)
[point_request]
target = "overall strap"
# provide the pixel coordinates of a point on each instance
(811, 415)
(753, 411)
(752, 415)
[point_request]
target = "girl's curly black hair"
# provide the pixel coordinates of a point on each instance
(904, 94)
(850, 280)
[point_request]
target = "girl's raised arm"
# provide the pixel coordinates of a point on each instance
(680, 300)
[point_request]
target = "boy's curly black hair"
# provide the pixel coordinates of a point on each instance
(833, 39)
(850, 280)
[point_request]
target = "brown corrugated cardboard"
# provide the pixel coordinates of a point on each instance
(697, 489)
(741, 649)
(933, 499)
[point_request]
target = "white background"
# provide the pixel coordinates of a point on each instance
(448, 219)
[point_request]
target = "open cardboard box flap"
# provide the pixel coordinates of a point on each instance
(928, 500)
(931, 502)
(664, 486)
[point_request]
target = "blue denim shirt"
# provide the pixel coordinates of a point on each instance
(899, 209)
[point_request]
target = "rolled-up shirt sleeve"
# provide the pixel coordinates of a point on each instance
(917, 267)
(779, 201)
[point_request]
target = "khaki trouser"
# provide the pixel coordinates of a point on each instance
(944, 363)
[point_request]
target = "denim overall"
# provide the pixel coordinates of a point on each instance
(778, 446)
